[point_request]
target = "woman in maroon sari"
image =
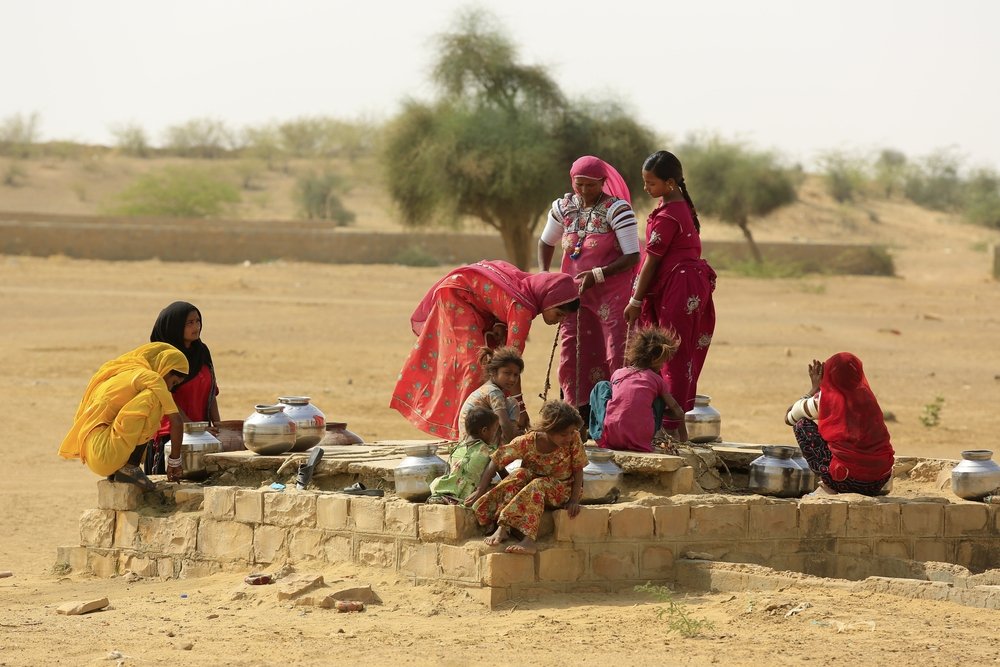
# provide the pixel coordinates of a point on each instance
(489, 303)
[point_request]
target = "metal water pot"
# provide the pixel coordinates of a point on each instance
(976, 476)
(602, 478)
(310, 422)
(775, 473)
(809, 478)
(269, 431)
(703, 422)
(196, 443)
(337, 435)
(414, 474)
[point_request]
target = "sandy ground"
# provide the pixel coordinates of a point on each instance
(340, 333)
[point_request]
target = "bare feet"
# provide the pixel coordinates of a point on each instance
(497, 537)
(525, 546)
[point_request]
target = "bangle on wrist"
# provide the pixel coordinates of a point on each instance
(634, 302)
(598, 273)
(174, 462)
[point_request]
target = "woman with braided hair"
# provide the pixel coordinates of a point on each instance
(675, 284)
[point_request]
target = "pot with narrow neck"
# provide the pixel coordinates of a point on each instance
(310, 422)
(414, 474)
(703, 422)
(976, 476)
(602, 478)
(196, 443)
(269, 431)
(775, 473)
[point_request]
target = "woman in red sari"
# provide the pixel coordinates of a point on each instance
(675, 284)
(489, 303)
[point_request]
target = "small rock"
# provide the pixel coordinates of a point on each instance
(698, 555)
(361, 593)
(186, 646)
(77, 608)
(788, 351)
(170, 633)
(6, 573)
(211, 616)
(889, 416)
(131, 577)
(115, 655)
(295, 585)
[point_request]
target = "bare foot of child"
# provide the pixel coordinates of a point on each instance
(499, 536)
(525, 546)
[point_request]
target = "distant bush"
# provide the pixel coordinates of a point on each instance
(981, 203)
(199, 137)
(845, 175)
(936, 181)
(319, 197)
(14, 175)
(889, 171)
(131, 139)
(322, 136)
(19, 134)
(177, 192)
(413, 256)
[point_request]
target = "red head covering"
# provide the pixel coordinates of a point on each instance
(850, 420)
(589, 166)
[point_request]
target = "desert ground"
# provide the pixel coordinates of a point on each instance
(340, 333)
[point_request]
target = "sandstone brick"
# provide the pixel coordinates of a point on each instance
(189, 493)
(656, 562)
(306, 544)
(196, 569)
(269, 543)
(225, 540)
(562, 565)
(590, 524)
(614, 562)
(631, 522)
(126, 526)
(297, 584)
(376, 553)
(367, 515)
(822, 519)
(679, 482)
(142, 566)
(75, 558)
(875, 520)
(176, 534)
(447, 523)
(922, 519)
(167, 567)
(965, 519)
(893, 549)
(338, 549)
(401, 518)
(220, 502)
(976, 554)
(78, 608)
(855, 547)
(290, 508)
(97, 528)
(419, 560)
(933, 550)
(118, 496)
(773, 521)
(671, 520)
(332, 512)
(102, 563)
(546, 525)
(719, 521)
(248, 507)
(503, 569)
(459, 562)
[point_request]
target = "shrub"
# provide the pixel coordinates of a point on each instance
(415, 256)
(199, 137)
(131, 139)
(19, 134)
(14, 175)
(844, 175)
(981, 204)
(889, 171)
(936, 182)
(177, 192)
(319, 197)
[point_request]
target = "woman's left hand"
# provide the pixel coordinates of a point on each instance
(572, 508)
(632, 314)
(586, 280)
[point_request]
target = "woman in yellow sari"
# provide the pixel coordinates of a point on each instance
(121, 411)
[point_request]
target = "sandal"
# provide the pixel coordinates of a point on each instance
(359, 489)
(133, 474)
(306, 469)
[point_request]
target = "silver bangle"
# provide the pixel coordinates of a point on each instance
(635, 303)
(598, 273)
(173, 463)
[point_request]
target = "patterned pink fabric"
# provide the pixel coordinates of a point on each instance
(629, 421)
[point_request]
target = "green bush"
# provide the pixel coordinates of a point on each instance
(19, 134)
(319, 198)
(889, 171)
(415, 256)
(131, 139)
(199, 137)
(177, 192)
(845, 176)
(981, 204)
(936, 182)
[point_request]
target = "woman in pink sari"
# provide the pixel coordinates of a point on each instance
(489, 303)
(599, 236)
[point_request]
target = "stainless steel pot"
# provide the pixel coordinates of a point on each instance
(196, 443)
(602, 478)
(809, 479)
(337, 435)
(775, 473)
(414, 474)
(703, 422)
(269, 431)
(310, 422)
(976, 476)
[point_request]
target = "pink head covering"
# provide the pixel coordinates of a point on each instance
(589, 166)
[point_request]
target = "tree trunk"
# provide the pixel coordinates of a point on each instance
(517, 240)
(754, 250)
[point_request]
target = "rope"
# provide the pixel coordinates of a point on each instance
(548, 379)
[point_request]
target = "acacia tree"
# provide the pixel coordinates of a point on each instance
(497, 143)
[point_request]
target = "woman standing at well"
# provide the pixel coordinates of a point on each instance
(597, 230)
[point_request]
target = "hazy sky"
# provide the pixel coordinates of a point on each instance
(801, 76)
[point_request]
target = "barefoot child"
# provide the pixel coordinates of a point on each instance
(469, 459)
(501, 393)
(551, 475)
(639, 394)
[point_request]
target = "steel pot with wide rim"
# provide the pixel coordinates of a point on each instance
(775, 473)
(414, 474)
(976, 476)
(809, 479)
(196, 443)
(703, 422)
(602, 478)
(231, 435)
(310, 422)
(269, 431)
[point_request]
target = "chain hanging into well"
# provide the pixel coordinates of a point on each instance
(548, 373)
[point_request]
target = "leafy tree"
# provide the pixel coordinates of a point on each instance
(982, 198)
(131, 139)
(936, 182)
(318, 196)
(177, 192)
(736, 183)
(200, 137)
(890, 171)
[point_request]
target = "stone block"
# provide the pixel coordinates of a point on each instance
(562, 564)
(189, 493)
(97, 528)
(546, 525)
(269, 543)
(875, 520)
(368, 515)
(671, 520)
(631, 522)
(614, 562)
(679, 482)
(142, 566)
(167, 568)
(338, 549)
(590, 524)
(290, 508)
(419, 560)
(719, 521)
(447, 523)
(296, 585)
(102, 563)
(401, 518)
(118, 496)
(220, 502)
(503, 569)
(225, 540)
(893, 549)
(459, 562)
(965, 519)
(172, 535)
(248, 506)
(854, 547)
(822, 519)
(656, 562)
(332, 512)
(196, 569)
(376, 553)
(306, 544)
(126, 527)
(976, 554)
(75, 558)
(933, 550)
(779, 520)
(922, 519)
(77, 608)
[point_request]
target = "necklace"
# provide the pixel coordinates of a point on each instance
(581, 230)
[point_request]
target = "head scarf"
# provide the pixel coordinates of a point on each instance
(589, 166)
(169, 328)
(851, 422)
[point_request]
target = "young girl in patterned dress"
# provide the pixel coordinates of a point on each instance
(551, 475)
(469, 458)
(501, 392)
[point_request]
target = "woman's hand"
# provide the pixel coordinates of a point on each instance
(815, 375)
(473, 497)
(175, 470)
(586, 280)
(632, 314)
(572, 508)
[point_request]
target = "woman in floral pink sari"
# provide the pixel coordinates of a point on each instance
(490, 303)
(599, 236)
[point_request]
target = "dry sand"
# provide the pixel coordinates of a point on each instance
(340, 333)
